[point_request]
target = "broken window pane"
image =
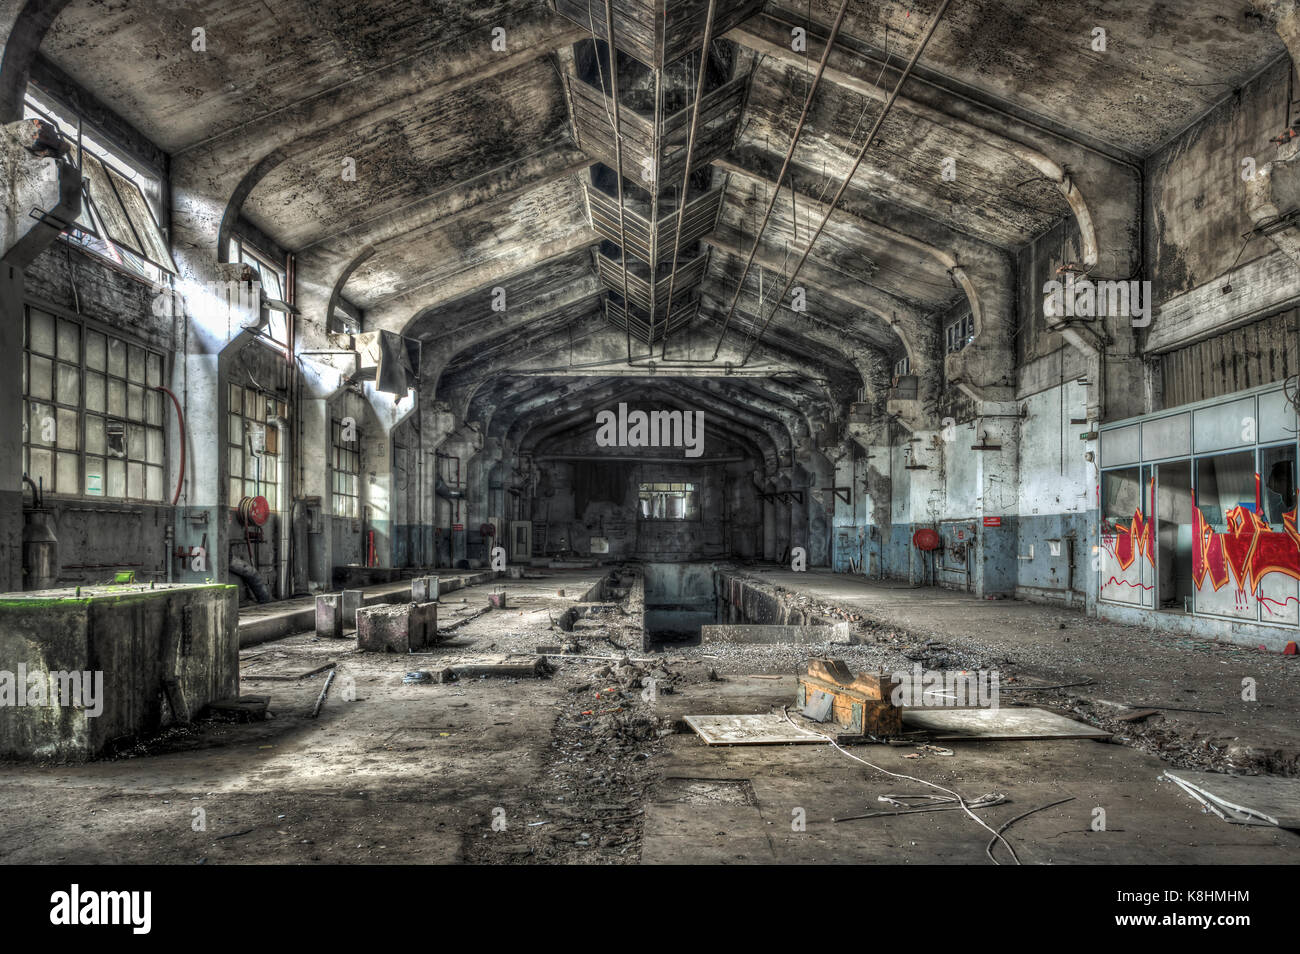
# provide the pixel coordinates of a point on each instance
(105, 201)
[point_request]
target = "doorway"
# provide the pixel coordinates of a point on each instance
(1174, 536)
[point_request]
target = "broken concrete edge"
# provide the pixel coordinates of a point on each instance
(764, 603)
(838, 633)
(136, 593)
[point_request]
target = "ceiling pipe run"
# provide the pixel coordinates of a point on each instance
(618, 161)
(785, 165)
(686, 182)
(839, 193)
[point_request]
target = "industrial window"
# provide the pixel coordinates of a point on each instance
(117, 219)
(92, 422)
(272, 279)
(254, 445)
(959, 334)
(346, 460)
(668, 501)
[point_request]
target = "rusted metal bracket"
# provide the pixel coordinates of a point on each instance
(842, 493)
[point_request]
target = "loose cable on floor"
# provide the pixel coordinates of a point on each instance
(920, 781)
(988, 849)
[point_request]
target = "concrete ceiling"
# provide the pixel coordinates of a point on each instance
(469, 177)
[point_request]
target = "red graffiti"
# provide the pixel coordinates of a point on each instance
(1137, 537)
(1119, 582)
(1248, 551)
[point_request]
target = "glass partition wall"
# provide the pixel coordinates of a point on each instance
(1198, 510)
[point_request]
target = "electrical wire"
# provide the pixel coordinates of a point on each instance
(962, 803)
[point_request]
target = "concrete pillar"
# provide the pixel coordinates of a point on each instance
(388, 411)
(998, 473)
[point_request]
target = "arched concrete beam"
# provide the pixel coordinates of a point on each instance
(23, 25)
(766, 35)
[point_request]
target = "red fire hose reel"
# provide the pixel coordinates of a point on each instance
(926, 539)
(254, 511)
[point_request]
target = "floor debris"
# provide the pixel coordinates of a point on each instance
(1244, 799)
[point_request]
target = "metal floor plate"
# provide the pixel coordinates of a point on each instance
(997, 725)
(768, 729)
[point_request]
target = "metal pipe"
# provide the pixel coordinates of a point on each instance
(785, 165)
(839, 193)
(656, 139)
(180, 424)
(686, 182)
(618, 163)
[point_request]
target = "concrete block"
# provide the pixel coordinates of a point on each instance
(424, 589)
(79, 671)
(397, 627)
(336, 613)
(497, 600)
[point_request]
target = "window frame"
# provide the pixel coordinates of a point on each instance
(959, 333)
(134, 258)
(339, 452)
(690, 493)
(269, 476)
(87, 326)
(279, 330)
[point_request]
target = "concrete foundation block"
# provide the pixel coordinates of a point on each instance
(80, 671)
(497, 600)
(397, 627)
(424, 589)
(336, 613)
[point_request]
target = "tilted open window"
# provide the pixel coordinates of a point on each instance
(117, 220)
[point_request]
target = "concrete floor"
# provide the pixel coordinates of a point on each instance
(417, 773)
(751, 820)
(1127, 665)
